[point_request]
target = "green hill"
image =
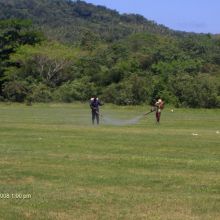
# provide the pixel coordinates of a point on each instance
(73, 50)
(67, 20)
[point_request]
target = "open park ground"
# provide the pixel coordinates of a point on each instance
(55, 165)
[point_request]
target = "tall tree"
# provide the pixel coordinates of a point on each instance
(14, 33)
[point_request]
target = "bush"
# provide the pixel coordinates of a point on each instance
(132, 91)
(15, 90)
(40, 93)
(198, 91)
(77, 90)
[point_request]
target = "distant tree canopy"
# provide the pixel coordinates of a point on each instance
(13, 34)
(67, 20)
(124, 59)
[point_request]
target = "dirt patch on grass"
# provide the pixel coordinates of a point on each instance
(16, 181)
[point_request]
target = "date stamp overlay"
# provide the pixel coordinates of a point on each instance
(15, 196)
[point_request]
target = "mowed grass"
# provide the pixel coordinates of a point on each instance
(62, 167)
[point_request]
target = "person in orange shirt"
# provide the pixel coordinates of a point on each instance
(159, 105)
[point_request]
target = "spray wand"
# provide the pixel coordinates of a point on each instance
(99, 114)
(152, 110)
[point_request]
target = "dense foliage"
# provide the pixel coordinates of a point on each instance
(68, 21)
(135, 63)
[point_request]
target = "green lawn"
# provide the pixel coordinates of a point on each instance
(62, 167)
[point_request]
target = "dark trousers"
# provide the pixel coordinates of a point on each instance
(95, 115)
(158, 116)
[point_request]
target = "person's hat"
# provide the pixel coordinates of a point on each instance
(95, 97)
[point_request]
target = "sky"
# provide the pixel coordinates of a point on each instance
(200, 16)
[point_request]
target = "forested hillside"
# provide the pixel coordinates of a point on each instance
(66, 51)
(67, 20)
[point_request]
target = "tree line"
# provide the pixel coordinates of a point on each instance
(183, 70)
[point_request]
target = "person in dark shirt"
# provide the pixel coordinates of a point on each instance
(94, 105)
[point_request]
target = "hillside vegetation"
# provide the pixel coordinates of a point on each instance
(67, 51)
(68, 21)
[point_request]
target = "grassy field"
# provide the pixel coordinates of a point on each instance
(55, 165)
